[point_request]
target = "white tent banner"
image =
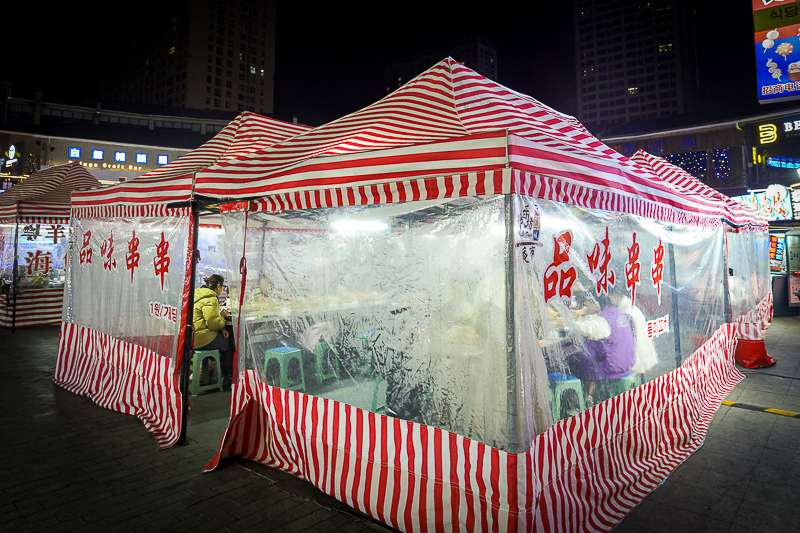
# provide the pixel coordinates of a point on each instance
(135, 267)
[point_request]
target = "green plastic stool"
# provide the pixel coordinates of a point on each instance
(320, 352)
(284, 356)
(200, 359)
(561, 382)
(625, 383)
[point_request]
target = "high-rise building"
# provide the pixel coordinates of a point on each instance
(635, 60)
(198, 54)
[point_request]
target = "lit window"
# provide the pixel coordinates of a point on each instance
(163, 160)
(119, 157)
(141, 159)
(633, 90)
(97, 155)
(665, 47)
(74, 153)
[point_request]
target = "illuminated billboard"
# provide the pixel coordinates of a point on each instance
(775, 202)
(777, 48)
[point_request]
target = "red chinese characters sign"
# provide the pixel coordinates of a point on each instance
(161, 260)
(560, 274)
(39, 262)
(599, 261)
(632, 269)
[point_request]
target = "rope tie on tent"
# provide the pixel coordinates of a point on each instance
(243, 272)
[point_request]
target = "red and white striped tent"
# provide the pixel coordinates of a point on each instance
(448, 133)
(44, 197)
(737, 213)
(752, 323)
(117, 234)
(41, 199)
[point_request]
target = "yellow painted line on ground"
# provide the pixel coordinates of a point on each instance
(762, 409)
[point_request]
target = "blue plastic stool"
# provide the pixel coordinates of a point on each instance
(200, 360)
(284, 355)
(561, 382)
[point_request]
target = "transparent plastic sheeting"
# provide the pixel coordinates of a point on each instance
(42, 250)
(7, 252)
(126, 279)
(471, 314)
(748, 270)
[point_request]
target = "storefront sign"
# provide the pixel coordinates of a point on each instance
(775, 202)
(777, 49)
(776, 130)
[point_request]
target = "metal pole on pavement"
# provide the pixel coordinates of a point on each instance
(188, 331)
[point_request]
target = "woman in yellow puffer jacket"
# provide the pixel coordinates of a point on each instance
(210, 332)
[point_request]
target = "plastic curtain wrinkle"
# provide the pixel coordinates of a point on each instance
(7, 252)
(403, 309)
(748, 270)
(617, 300)
(126, 279)
(211, 254)
(42, 251)
(397, 309)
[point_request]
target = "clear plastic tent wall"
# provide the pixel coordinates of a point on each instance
(7, 232)
(137, 267)
(42, 251)
(748, 270)
(463, 313)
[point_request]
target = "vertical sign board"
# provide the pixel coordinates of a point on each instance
(793, 266)
(777, 49)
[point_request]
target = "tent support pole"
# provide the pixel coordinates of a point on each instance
(188, 331)
(726, 296)
(15, 278)
(676, 317)
(514, 442)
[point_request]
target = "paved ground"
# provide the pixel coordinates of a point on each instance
(746, 476)
(69, 465)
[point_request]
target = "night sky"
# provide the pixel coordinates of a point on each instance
(331, 57)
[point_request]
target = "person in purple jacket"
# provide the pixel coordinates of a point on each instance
(610, 348)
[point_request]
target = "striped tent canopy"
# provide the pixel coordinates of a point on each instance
(737, 213)
(448, 132)
(149, 193)
(45, 196)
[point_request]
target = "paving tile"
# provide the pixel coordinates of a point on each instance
(764, 518)
(670, 519)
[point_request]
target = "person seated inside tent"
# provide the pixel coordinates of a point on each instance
(210, 330)
(646, 356)
(609, 350)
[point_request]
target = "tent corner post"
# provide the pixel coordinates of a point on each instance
(188, 329)
(514, 440)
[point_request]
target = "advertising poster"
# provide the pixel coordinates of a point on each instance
(777, 49)
(775, 202)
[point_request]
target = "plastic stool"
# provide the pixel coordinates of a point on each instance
(320, 352)
(625, 383)
(284, 355)
(561, 382)
(200, 359)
